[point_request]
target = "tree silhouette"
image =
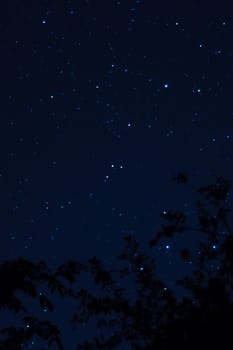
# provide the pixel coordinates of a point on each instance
(133, 308)
(29, 278)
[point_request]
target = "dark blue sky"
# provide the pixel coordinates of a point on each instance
(102, 103)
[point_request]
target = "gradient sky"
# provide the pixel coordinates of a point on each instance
(102, 103)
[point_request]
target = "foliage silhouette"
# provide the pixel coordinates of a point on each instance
(144, 314)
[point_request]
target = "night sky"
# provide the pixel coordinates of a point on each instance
(102, 103)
